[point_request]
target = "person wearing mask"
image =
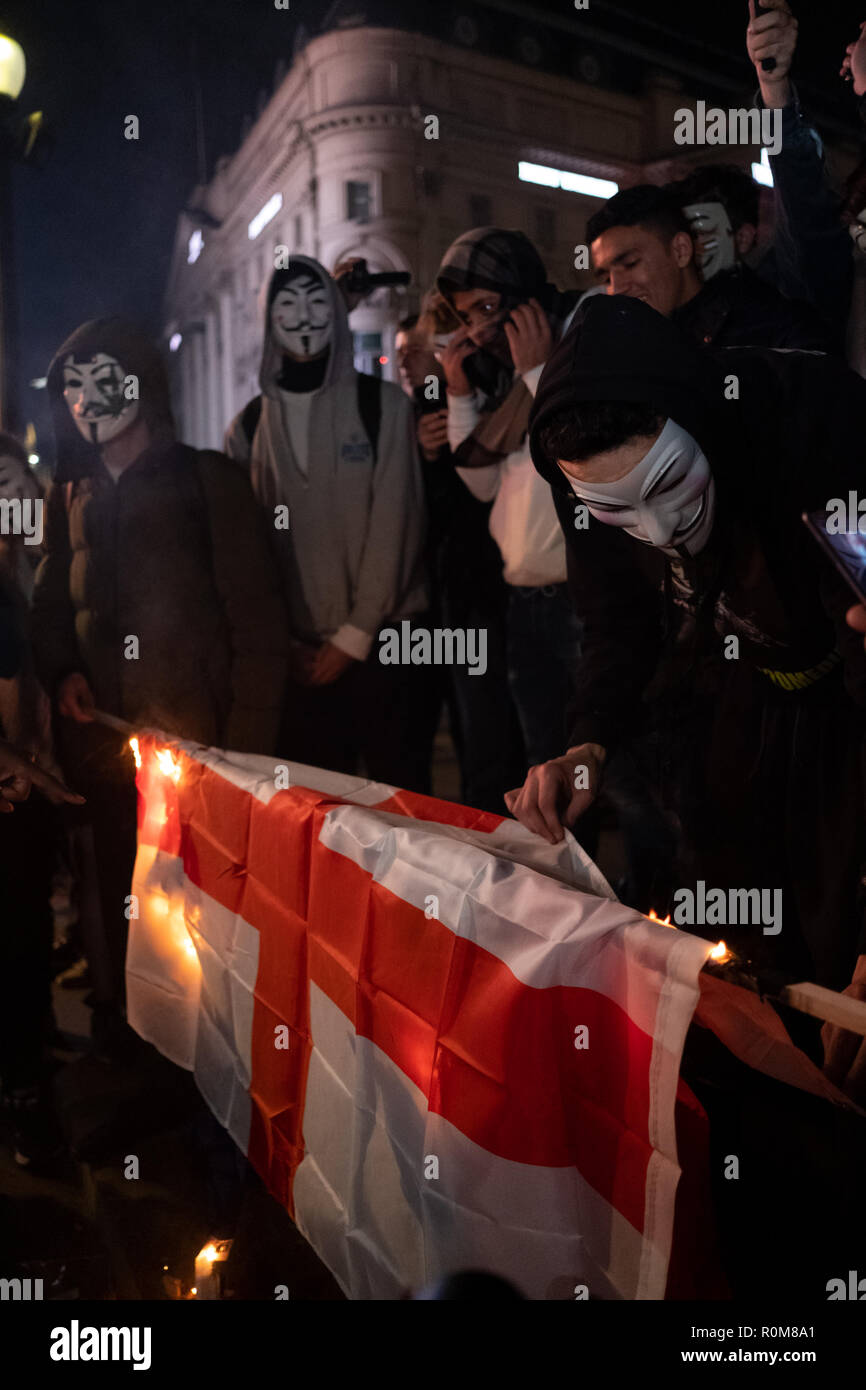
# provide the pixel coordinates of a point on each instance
(511, 316)
(695, 542)
(722, 207)
(465, 569)
(641, 246)
(156, 602)
(332, 460)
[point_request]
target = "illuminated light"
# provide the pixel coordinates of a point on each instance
(136, 751)
(194, 246)
(209, 1269)
(168, 765)
(175, 341)
(566, 180)
(13, 68)
(762, 173)
(159, 906)
(33, 459)
(189, 947)
(721, 954)
(39, 383)
(264, 216)
(383, 361)
(193, 1290)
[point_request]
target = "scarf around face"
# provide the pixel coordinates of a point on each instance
(492, 258)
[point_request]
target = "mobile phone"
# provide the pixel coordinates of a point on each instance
(847, 550)
(768, 64)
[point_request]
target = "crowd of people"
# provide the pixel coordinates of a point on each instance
(609, 486)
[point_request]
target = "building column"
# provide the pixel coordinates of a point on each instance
(198, 439)
(187, 420)
(227, 360)
(212, 436)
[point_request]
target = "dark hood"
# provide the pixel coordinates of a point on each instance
(137, 355)
(619, 349)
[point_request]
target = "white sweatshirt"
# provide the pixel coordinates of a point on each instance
(523, 521)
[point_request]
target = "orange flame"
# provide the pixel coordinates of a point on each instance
(721, 954)
(168, 765)
(136, 751)
(662, 921)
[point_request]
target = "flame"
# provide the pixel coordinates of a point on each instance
(136, 751)
(721, 954)
(662, 921)
(168, 765)
(209, 1253)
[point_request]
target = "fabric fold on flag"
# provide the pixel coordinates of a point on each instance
(442, 1043)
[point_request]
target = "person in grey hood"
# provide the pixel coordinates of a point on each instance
(333, 462)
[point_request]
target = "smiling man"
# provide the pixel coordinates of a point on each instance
(710, 614)
(642, 246)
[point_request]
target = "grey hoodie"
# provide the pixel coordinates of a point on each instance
(351, 558)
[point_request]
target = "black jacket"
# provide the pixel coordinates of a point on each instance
(791, 442)
(738, 309)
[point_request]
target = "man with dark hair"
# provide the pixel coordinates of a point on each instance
(511, 317)
(467, 588)
(642, 247)
(691, 546)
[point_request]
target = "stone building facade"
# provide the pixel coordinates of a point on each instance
(345, 160)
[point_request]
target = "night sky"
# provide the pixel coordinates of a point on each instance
(94, 228)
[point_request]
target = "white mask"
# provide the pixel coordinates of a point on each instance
(301, 317)
(857, 231)
(667, 500)
(93, 391)
(711, 228)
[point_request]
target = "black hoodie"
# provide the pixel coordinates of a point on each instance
(792, 441)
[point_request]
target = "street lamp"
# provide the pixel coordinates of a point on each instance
(13, 68)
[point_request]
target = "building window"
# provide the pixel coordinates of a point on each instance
(367, 352)
(545, 228)
(358, 202)
(480, 210)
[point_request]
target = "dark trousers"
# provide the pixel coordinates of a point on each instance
(374, 719)
(99, 765)
(489, 742)
(544, 638)
(28, 841)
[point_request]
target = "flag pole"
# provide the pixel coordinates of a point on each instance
(826, 1004)
(110, 721)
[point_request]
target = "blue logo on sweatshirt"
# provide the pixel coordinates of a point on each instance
(356, 450)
